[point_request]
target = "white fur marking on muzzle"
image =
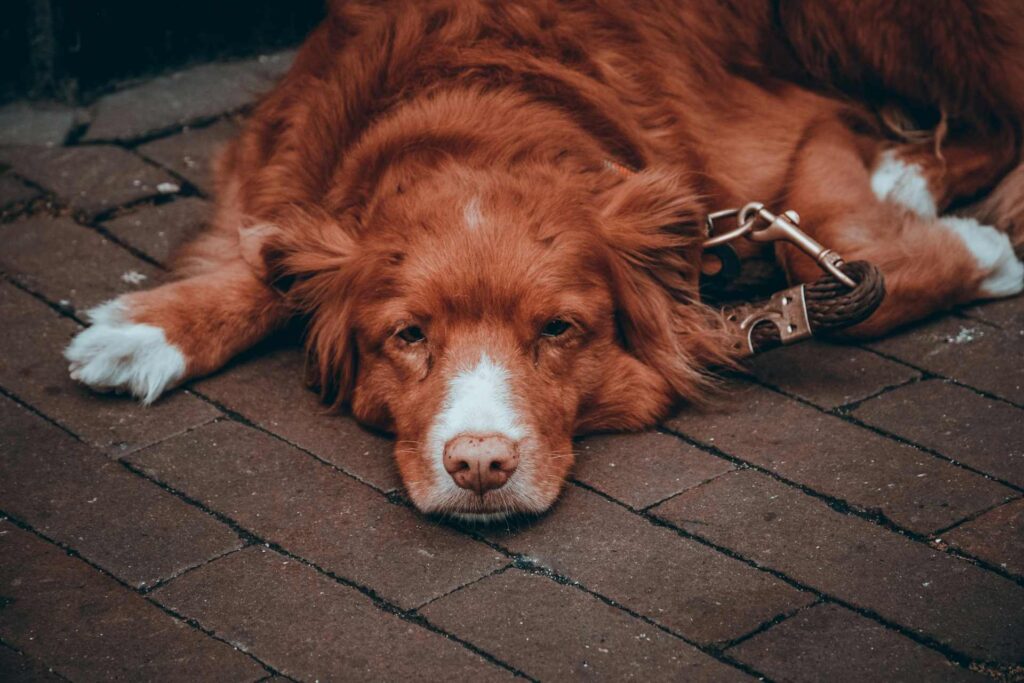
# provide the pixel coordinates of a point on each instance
(479, 401)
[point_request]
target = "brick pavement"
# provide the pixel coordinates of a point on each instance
(853, 513)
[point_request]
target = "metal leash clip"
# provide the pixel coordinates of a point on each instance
(785, 227)
(785, 310)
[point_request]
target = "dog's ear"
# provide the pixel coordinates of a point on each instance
(653, 222)
(312, 262)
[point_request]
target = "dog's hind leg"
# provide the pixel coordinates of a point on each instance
(971, 175)
(147, 342)
(1003, 207)
(873, 205)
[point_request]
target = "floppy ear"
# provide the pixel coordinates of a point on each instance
(654, 227)
(311, 261)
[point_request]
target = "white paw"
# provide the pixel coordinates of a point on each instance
(116, 354)
(994, 254)
(902, 183)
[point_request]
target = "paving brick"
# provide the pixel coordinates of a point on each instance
(679, 583)
(643, 469)
(17, 667)
(88, 627)
(830, 643)
(970, 352)
(310, 627)
(971, 610)
(35, 123)
(14, 193)
(33, 368)
(555, 632)
(314, 511)
(996, 537)
(191, 152)
(195, 94)
(1005, 313)
(268, 388)
(916, 490)
(74, 495)
(158, 231)
(829, 375)
(985, 434)
(71, 264)
(90, 179)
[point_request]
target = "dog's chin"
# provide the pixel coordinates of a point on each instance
(494, 507)
(481, 518)
(483, 521)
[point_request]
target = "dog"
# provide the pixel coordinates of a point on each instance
(430, 190)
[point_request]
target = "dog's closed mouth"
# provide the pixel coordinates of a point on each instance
(483, 521)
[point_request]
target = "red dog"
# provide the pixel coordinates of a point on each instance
(429, 187)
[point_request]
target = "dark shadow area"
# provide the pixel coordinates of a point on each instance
(73, 51)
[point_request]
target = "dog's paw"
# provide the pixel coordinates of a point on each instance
(902, 182)
(115, 354)
(993, 252)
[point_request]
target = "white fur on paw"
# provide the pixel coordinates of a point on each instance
(902, 183)
(994, 254)
(116, 354)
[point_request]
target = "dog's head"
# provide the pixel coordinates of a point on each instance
(485, 319)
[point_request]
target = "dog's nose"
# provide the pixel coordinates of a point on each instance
(480, 463)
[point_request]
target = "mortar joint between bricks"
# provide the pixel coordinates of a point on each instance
(536, 567)
(706, 649)
(951, 654)
(71, 552)
(409, 615)
(851, 419)
(846, 408)
(500, 570)
(928, 374)
(959, 658)
(243, 420)
(766, 625)
(375, 598)
(973, 516)
(32, 409)
(199, 123)
(49, 669)
(873, 515)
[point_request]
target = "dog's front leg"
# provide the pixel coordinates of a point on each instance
(147, 342)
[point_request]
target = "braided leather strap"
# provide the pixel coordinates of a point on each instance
(831, 305)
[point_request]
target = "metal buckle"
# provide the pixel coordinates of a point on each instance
(786, 310)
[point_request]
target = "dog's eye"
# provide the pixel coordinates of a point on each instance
(555, 328)
(411, 334)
